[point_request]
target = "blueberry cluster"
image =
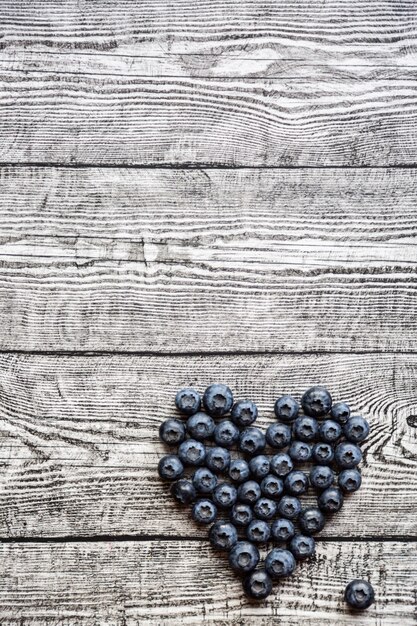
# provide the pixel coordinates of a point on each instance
(257, 493)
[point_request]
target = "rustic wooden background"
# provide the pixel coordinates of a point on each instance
(199, 191)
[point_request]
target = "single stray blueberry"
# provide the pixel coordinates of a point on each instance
(286, 408)
(349, 480)
(279, 563)
(316, 402)
(239, 470)
(217, 459)
(356, 429)
(278, 435)
(183, 491)
(359, 594)
(302, 546)
(200, 426)
(258, 585)
(282, 529)
(226, 434)
(217, 400)
(204, 511)
(244, 413)
(192, 452)
(188, 401)
(223, 536)
(243, 557)
(170, 467)
(172, 432)
(258, 531)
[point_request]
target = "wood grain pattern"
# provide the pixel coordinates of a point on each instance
(79, 438)
(85, 584)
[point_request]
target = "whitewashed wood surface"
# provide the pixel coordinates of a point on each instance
(193, 192)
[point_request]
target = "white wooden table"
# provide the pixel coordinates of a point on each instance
(194, 192)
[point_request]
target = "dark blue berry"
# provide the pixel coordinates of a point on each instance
(265, 508)
(279, 563)
(286, 409)
(349, 480)
(188, 401)
(258, 585)
(249, 492)
(243, 557)
(204, 480)
(244, 413)
(321, 477)
(239, 470)
(217, 400)
(289, 507)
(278, 435)
(172, 432)
(281, 464)
(225, 495)
(347, 455)
(252, 440)
(316, 402)
(217, 459)
(300, 451)
(282, 529)
(311, 520)
(241, 514)
(272, 486)
(226, 434)
(296, 483)
(183, 491)
(258, 531)
(331, 500)
(223, 536)
(259, 466)
(204, 511)
(359, 594)
(340, 412)
(302, 546)
(305, 428)
(170, 467)
(200, 426)
(192, 452)
(323, 453)
(330, 431)
(356, 429)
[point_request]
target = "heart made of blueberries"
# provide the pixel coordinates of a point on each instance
(257, 490)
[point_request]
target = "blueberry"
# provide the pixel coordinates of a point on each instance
(282, 529)
(349, 480)
(241, 514)
(286, 408)
(170, 467)
(226, 434)
(323, 453)
(239, 470)
(172, 432)
(278, 435)
(331, 500)
(259, 466)
(204, 511)
(223, 536)
(347, 455)
(272, 486)
(340, 412)
(300, 451)
(244, 413)
(244, 557)
(356, 429)
(204, 480)
(217, 400)
(321, 477)
(183, 491)
(311, 520)
(305, 428)
(192, 452)
(281, 464)
(225, 495)
(258, 585)
(258, 531)
(289, 507)
(265, 508)
(316, 402)
(302, 546)
(279, 563)
(330, 431)
(249, 492)
(217, 459)
(296, 483)
(200, 426)
(188, 401)
(252, 440)
(359, 594)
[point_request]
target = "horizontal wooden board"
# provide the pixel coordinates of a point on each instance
(79, 438)
(120, 119)
(85, 584)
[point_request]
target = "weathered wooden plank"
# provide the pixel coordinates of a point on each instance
(128, 584)
(80, 438)
(123, 120)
